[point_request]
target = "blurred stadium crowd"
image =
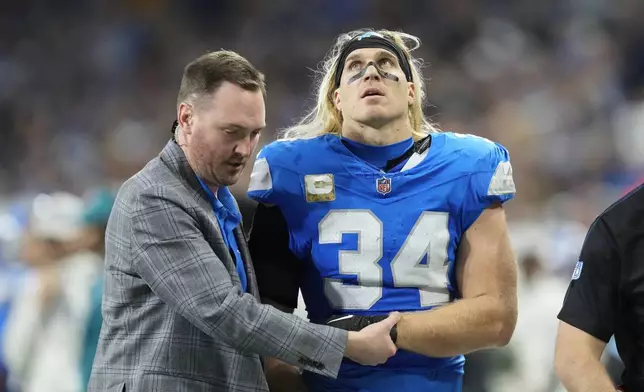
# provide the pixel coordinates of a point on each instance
(87, 97)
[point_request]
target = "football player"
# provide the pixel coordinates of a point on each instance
(367, 209)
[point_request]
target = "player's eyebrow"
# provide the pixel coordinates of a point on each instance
(385, 53)
(353, 56)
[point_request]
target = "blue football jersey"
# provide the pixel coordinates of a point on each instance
(373, 242)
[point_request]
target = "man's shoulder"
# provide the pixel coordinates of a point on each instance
(154, 179)
(620, 217)
(627, 205)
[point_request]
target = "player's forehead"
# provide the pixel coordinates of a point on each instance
(369, 53)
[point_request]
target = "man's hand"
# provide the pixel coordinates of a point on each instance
(372, 345)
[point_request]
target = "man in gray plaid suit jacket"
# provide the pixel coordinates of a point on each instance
(180, 305)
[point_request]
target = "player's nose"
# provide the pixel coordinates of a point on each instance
(371, 72)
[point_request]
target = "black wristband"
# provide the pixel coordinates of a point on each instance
(356, 323)
(393, 333)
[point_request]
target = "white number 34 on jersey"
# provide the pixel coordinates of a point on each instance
(430, 236)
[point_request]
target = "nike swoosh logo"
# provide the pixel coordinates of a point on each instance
(341, 318)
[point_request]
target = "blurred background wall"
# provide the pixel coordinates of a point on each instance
(88, 95)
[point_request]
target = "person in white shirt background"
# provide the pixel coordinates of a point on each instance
(42, 340)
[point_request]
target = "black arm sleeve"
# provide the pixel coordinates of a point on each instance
(278, 269)
(591, 303)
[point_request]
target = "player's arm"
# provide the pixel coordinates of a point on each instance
(278, 273)
(486, 315)
(485, 267)
(588, 314)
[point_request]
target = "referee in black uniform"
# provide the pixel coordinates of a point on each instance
(606, 298)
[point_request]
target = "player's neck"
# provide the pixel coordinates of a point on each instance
(390, 133)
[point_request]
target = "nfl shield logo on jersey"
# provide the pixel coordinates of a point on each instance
(383, 185)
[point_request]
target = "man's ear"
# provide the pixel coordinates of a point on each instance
(337, 102)
(185, 117)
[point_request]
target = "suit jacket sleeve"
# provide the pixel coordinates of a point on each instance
(171, 254)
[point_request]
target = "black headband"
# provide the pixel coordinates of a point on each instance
(372, 40)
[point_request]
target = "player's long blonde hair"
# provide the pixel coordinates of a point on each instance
(325, 118)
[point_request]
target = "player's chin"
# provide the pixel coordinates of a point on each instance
(375, 117)
(373, 108)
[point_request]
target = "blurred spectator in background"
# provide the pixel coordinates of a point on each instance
(541, 294)
(41, 341)
(98, 206)
(13, 223)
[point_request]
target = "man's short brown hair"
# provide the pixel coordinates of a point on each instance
(204, 75)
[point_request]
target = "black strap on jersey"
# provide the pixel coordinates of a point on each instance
(419, 147)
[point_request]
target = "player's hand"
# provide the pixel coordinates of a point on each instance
(372, 345)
